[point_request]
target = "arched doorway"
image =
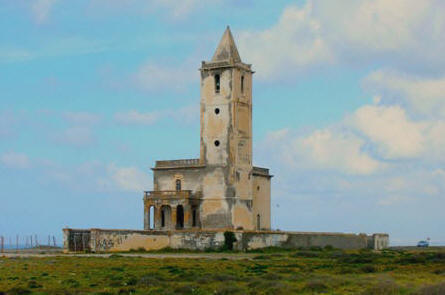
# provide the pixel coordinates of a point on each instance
(165, 217)
(258, 222)
(179, 217)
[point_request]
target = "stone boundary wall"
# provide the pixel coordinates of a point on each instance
(113, 240)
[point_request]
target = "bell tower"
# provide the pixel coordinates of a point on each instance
(226, 131)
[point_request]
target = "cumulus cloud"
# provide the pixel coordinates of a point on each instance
(15, 160)
(389, 128)
(129, 179)
(185, 114)
(343, 151)
(295, 42)
(324, 149)
(82, 118)
(41, 10)
(155, 76)
(422, 95)
(135, 117)
(76, 136)
(350, 32)
(173, 10)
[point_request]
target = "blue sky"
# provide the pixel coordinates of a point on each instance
(349, 109)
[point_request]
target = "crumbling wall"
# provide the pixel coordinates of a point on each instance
(124, 240)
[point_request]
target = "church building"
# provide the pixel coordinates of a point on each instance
(222, 189)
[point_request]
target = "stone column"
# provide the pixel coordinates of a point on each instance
(157, 219)
(173, 218)
(187, 216)
(146, 217)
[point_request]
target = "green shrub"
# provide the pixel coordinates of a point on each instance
(328, 248)
(71, 283)
(307, 254)
(368, 268)
(33, 284)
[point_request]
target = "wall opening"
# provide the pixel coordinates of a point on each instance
(258, 222)
(242, 84)
(162, 218)
(194, 223)
(179, 217)
(217, 83)
(151, 217)
(217, 111)
(216, 142)
(178, 185)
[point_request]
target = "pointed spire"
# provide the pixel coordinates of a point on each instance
(227, 49)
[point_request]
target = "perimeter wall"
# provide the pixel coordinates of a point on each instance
(106, 240)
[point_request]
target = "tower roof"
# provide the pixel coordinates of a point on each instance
(226, 49)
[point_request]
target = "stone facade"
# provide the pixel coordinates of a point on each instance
(221, 189)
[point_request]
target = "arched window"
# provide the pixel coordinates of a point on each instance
(242, 84)
(178, 185)
(217, 83)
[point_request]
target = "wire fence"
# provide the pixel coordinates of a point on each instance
(27, 242)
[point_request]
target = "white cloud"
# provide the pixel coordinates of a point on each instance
(129, 179)
(350, 32)
(325, 149)
(135, 117)
(152, 76)
(389, 128)
(185, 114)
(41, 10)
(82, 118)
(392, 200)
(295, 42)
(338, 150)
(15, 160)
(76, 136)
(10, 55)
(172, 9)
(425, 96)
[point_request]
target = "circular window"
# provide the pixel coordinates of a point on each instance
(216, 142)
(217, 111)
